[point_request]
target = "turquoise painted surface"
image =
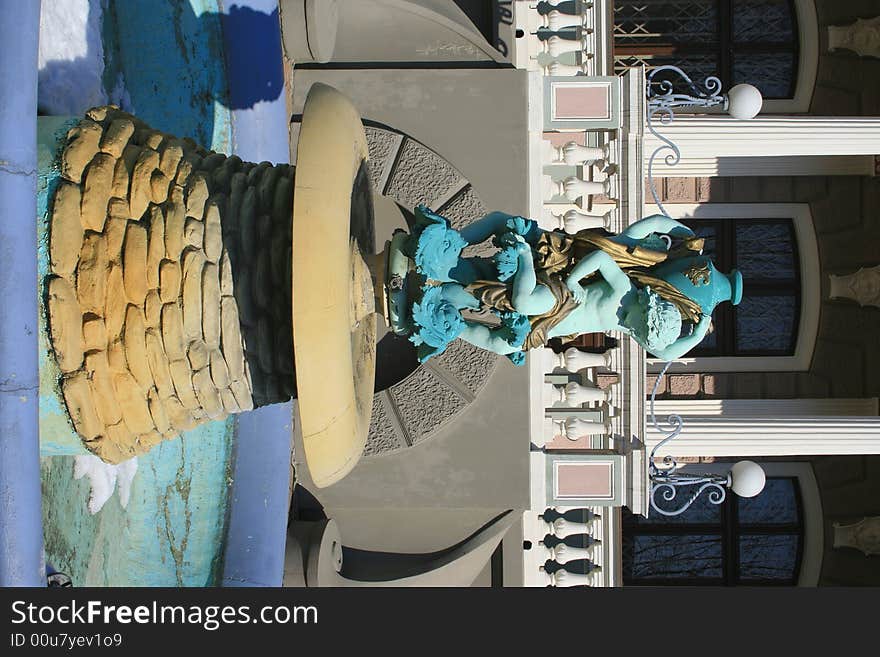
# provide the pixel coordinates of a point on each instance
(169, 56)
(170, 533)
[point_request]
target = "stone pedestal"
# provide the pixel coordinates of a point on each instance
(167, 283)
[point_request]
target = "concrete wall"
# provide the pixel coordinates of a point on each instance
(441, 490)
(846, 84)
(474, 118)
(412, 31)
(460, 454)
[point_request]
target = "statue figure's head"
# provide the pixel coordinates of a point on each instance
(652, 321)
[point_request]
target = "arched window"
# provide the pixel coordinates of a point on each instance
(754, 41)
(781, 273)
(741, 542)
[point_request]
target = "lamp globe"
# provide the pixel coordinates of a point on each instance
(747, 478)
(744, 101)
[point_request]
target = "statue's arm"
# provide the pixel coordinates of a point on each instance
(657, 223)
(683, 345)
(483, 228)
(486, 338)
(603, 263)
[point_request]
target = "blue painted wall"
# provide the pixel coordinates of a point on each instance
(20, 532)
(170, 56)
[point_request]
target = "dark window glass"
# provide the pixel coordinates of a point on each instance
(765, 323)
(661, 556)
(752, 41)
(777, 504)
(766, 250)
(767, 556)
(742, 541)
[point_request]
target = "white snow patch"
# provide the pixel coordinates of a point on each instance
(104, 479)
(71, 58)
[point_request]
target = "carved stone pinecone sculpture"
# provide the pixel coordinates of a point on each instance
(169, 298)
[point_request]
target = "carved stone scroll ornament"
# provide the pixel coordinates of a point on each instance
(862, 286)
(862, 37)
(863, 535)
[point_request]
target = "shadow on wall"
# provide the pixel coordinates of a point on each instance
(168, 61)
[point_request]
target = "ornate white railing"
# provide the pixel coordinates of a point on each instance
(563, 552)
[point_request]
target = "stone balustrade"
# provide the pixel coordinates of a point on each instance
(561, 37)
(576, 407)
(565, 547)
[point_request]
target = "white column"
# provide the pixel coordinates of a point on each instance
(744, 436)
(796, 145)
(767, 408)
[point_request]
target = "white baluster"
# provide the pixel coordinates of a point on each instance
(557, 21)
(574, 428)
(555, 68)
(562, 528)
(574, 154)
(576, 394)
(573, 221)
(564, 579)
(546, 6)
(562, 553)
(575, 360)
(576, 188)
(557, 46)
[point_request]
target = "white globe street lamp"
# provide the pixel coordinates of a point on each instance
(743, 102)
(745, 478)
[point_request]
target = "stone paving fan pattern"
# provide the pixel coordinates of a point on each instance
(169, 301)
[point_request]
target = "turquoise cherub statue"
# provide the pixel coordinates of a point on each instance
(651, 282)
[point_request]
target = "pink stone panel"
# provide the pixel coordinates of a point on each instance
(582, 102)
(587, 480)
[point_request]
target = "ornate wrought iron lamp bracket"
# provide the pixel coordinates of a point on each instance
(666, 481)
(662, 103)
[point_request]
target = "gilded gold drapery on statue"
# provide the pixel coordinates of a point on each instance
(556, 253)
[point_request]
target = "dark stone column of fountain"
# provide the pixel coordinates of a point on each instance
(256, 202)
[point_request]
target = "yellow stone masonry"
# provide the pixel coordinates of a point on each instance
(142, 317)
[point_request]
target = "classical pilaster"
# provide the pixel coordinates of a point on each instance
(768, 145)
(801, 427)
